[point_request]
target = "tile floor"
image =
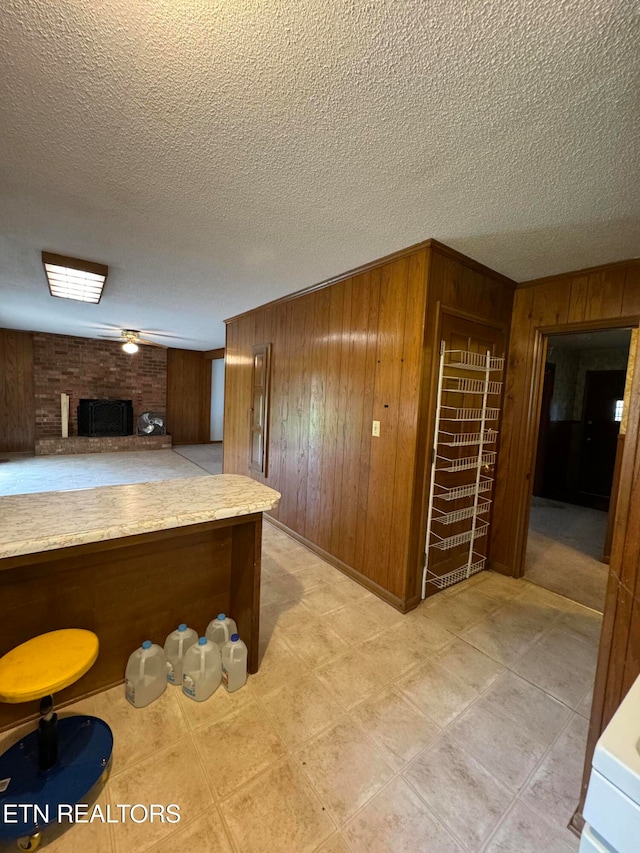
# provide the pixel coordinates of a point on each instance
(458, 727)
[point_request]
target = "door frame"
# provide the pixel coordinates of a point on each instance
(540, 343)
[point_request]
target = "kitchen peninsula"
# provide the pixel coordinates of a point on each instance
(130, 562)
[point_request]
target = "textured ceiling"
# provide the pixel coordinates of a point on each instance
(220, 153)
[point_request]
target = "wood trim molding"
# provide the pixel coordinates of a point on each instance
(631, 262)
(366, 582)
(213, 353)
(432, 244)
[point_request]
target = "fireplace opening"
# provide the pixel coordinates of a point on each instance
(103, 418)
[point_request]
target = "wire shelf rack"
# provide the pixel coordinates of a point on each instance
(465, 463)
(457, 575)
(466, 439)
(455, 413)
(472, 360)
(470, 386)
(455, 515)
(469, 489)
(445, 543)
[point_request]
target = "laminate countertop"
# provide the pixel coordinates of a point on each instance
(46, 521)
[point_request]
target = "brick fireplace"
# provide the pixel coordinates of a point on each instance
(85, 368)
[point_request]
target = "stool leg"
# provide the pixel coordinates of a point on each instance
(47, 734)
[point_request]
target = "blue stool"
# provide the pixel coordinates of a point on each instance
(60, 762)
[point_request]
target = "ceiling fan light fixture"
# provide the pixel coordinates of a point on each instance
(130, 347)
(72, 278)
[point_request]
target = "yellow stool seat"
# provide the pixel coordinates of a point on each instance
(46, 664)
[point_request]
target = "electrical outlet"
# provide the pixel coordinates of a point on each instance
(375, 430)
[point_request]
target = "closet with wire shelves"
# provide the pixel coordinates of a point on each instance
(464, 455)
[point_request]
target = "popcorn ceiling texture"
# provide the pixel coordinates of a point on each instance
(220, 153)
(91, 369)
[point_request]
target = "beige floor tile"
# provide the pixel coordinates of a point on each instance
(205, 834)
(459, 791)
(561, 665)
(344, 768)
(278, 666)
(554, 790)
(463, 585)
(584, 705)
(354, 624)
(500, 586)
(437, 692)
(300, 710)
(276, 591)
(397, 728)
(300, 582)
(336, 844)
(323, 599)
(285, 617)
(278, 811)
(213, 708)
(472, 666)
(352, 677)
(456, 613)
(237, 748)
(380, 610)
(558, 603)
(138, 732)
(584, 624)
(403, 645)
(507, 634)
(398, 821)
(540, 714)
(172, 775)
(315, 642)
(504, 747)
(522, 831)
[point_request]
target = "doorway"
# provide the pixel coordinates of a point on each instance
(579, 447)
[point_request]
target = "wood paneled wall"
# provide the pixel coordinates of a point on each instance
(601, 297)
(188, 396)
(354, 350)
(17, 402)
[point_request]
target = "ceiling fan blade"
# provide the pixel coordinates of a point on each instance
(110, 337)
(150, 343)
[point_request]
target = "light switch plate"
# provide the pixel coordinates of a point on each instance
(375, 430)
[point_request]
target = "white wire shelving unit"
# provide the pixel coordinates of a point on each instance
(464, 445)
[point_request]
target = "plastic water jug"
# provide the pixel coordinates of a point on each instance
(175, 648)
(146, 674)
(219, 630)
(202, 670)
(234, 664)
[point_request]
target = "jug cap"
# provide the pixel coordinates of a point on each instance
(182, 627)
(202, 641)
(147, 644)
(235, 638)
(221, 617)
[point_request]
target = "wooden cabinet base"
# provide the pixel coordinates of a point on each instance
(132, 589)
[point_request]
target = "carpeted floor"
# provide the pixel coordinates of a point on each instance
(564, 549)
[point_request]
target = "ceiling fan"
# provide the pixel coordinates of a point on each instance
(130, 339)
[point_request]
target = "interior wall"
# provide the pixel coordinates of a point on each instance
(588, 299)
(341, 356)
(188, 396)
(93, 369)
(17, 401)
(216, 425)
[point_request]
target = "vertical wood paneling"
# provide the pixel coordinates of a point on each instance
(17, 401)
(188, 396)
(342, 356)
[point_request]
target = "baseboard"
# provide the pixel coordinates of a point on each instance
(349, 571)
(501, 569)
(576, 824)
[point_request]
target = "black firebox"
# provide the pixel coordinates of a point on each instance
(102, 418)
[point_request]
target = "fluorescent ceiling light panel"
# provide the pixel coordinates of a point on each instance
(71, 278)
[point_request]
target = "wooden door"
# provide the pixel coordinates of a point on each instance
(603, 389)
(461, 334)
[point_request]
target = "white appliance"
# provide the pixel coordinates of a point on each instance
(612, 807)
